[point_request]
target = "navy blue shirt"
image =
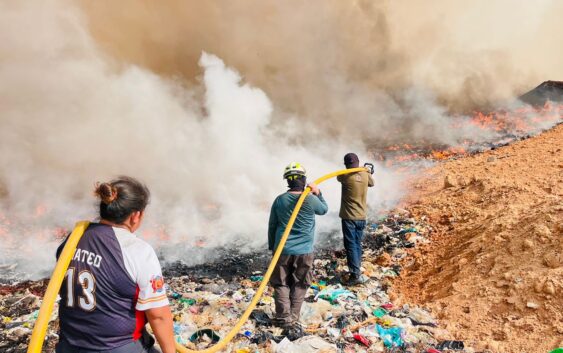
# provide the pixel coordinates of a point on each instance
(101, 307)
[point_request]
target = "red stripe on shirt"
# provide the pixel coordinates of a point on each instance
(141, 319)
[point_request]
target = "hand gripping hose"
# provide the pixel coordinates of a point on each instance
(40, 326)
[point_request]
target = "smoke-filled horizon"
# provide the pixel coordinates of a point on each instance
(209, 153)
(211, 142)
(350, 68)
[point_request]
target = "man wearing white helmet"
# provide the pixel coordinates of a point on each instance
(292, 275)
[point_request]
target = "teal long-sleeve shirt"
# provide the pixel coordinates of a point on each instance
(301, 238)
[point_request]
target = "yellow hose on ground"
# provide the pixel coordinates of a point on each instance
(40, 327)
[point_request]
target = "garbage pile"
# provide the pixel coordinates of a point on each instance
(19, 308)
(334, 318)
(9, 273)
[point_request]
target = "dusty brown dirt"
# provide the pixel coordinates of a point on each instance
(493, 273)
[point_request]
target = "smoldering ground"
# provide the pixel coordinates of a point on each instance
(95, 91)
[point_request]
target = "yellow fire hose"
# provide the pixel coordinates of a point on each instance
(40, 327)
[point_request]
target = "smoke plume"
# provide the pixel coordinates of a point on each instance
(206, 102)
(72, 116)
(344, 66)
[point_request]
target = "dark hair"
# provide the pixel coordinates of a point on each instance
(351, 160)
(121, 197)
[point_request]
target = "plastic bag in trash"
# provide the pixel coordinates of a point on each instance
(391, 336)
(315, 313)
(261, 317)
(379, 312)
(453, 345)
(421, 317)
(307, 344)
(210, 334)
(369, 331)
(361, 339)
(333, 293)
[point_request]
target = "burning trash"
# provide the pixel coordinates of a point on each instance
(361, 318)
(206, 115)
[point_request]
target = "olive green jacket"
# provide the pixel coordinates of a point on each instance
(353, 205)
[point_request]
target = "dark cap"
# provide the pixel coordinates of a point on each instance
(351, 160)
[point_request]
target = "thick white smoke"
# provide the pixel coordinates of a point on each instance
(71, 116)
(211, 146)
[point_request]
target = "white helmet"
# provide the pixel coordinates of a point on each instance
(293, 170)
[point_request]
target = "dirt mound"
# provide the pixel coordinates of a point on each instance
(549, 90)
(493, 273)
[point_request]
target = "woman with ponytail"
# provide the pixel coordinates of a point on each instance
(114, 283)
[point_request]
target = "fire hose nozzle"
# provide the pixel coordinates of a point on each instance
(370, 168)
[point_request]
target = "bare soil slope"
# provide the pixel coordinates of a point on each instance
(493, 273)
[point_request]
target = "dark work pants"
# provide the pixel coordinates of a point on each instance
(353, 234)
(291, 279)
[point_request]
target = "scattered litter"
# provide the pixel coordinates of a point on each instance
(333, 294)
(334, 317)
(308, 344)
(391, 336)
(362, 340)
(379, 312)
(206, 335)
(256, 278)
(421, 317)
(261, 318)
(453, 345)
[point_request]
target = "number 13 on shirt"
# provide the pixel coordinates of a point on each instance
(86, 301)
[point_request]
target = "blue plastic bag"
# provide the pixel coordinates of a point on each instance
(391, 337)
(332, 294)
(178, 328)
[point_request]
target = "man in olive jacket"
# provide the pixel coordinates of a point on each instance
(353, 212)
